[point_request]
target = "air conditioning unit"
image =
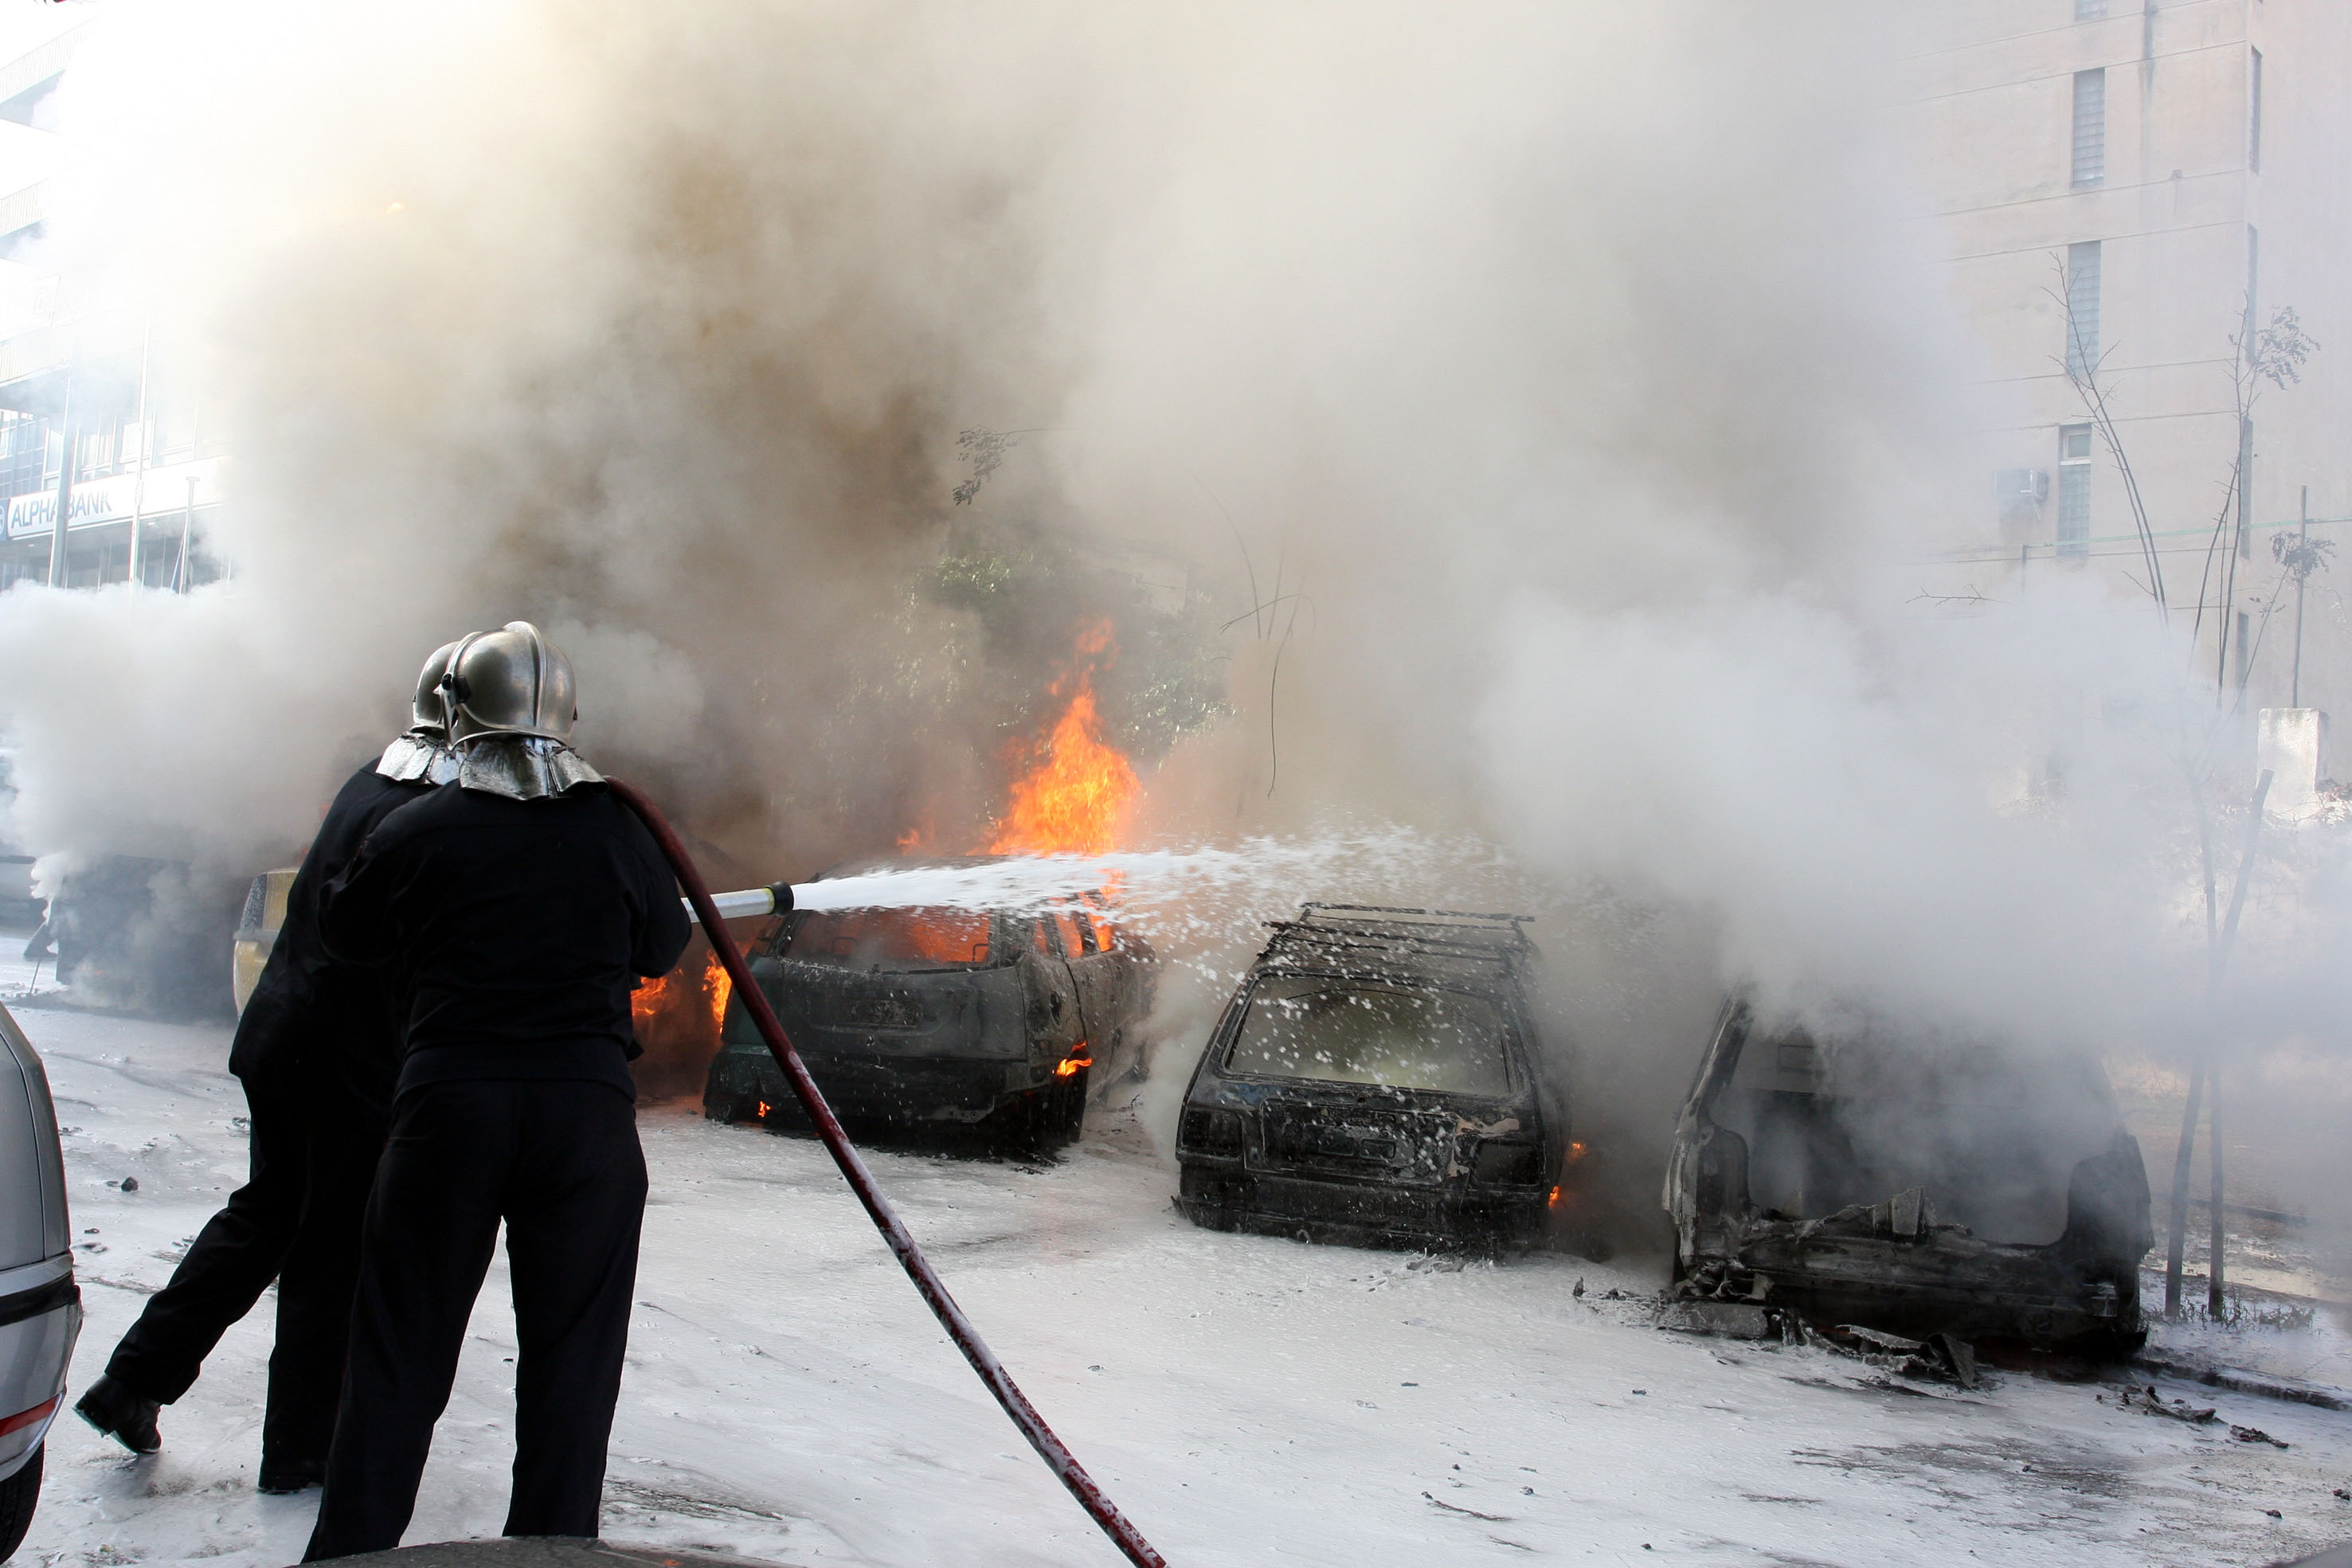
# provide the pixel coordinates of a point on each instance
(2021, 487)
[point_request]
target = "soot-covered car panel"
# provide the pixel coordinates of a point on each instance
(1373, 1081)
(942, 1014)
(1910, 1183)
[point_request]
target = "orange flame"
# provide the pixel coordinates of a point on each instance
(657, 998)
(1075, 797)
(646, 1001)
(718, 987)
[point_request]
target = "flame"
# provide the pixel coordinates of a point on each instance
(718, 987)
(1075, 797)
(763, 1109)
(1071, 1066)
(646, 1001)
(685, 992)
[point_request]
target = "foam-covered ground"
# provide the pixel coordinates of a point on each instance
(1247, 1401)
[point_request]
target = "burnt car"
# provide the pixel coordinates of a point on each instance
(142, 935)
(1375, 1081)
(1911, 1181)
(913, 1016)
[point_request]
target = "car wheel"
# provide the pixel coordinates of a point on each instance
(727, 1107)
(18, 1493)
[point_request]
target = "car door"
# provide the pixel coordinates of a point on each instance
(1054, 1019)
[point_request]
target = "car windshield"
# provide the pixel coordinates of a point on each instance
(891, 938)
(1357, 1031)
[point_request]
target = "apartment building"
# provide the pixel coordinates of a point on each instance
(91, 426)
(2128, 192)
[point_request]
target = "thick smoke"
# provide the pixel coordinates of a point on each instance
(1571, 386)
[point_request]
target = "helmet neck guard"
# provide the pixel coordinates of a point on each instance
(419, 757)
(522, 766)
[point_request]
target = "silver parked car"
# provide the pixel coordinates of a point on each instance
(40, 1305)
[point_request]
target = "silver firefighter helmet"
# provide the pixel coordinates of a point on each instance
(432, 708)
(424, 751)
(512, 682)
(510, 712)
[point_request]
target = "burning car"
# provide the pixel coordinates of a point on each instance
(1910, 1182)
(1374, 1082)
(936, 1015)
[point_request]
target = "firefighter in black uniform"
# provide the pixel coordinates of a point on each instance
(514, 913)
(316, 1049)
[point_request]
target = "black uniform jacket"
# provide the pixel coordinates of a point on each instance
(312, 1012)
(514, 929)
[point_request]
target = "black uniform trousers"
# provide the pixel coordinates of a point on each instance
(558, 1161)
(295, 1221)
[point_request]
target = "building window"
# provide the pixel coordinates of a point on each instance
(2083, 308)
(2244, 651)
(2090, 10)
(24, 453)
(2254, 112)
(2074, 489)
(2090, 127)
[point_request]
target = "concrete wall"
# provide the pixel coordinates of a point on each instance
(1991, 91)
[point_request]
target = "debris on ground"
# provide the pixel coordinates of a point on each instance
(1940, 1358)
(1720, 1279)
(2150, 1402)
(1725, 1319)
(2254, 1435)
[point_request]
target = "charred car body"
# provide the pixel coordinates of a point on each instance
(912, 1016)
(1912, 1184)
(1374, 1082)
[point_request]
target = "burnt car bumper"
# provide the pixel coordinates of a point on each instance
(892, 1089)
(1944, 1283)
(1356, 1214)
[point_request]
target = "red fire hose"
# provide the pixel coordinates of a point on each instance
(1058, 1458)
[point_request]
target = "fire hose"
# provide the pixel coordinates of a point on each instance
(933, 1289)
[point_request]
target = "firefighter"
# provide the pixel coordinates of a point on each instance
(316, 1049)
(515, 913)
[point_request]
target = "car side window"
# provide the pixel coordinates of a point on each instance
(1089, 939)
(1066, 927)
(1039, 928)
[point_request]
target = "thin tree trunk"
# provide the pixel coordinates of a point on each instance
(2180, 1236)
(2220, 964)
(2214, 1267)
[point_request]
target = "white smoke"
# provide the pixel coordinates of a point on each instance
(1585, 371)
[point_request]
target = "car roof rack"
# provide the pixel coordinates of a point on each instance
(1403, 909)
(1366, 930)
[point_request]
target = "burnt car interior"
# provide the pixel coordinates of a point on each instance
(1337, 1030)
(1912, 1181)
(1991, 1147)
(887, 940)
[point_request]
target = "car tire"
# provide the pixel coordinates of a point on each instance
(18, 1494)
(727, 1107)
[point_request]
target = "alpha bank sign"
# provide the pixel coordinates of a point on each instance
(169, 490)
